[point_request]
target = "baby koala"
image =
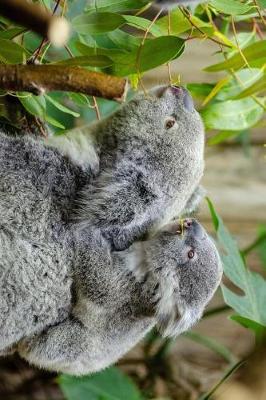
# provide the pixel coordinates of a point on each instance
(119, 296)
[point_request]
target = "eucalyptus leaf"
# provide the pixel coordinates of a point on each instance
(11, 33)
(241, 80)
(255, 54)
(123, 40)
(256, 87)
(251, 304)
(97, 22)
(233, 115)
(99, 61)
(232, 7)
(118, 5)
(142, 23)
(179, 23)
(11, 52)
(153, 53)
(35, 105)
(60, 106)
(110, 384)
(222, 137)
(98, 51)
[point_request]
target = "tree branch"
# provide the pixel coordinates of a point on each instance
(39, 79)
(38, 19)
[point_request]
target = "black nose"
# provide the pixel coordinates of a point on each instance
(181, 92)
(195, 228)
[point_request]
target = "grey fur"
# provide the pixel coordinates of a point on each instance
(59, 279)
(120, 296)
(147, 172)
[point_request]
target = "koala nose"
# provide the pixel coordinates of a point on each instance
(195, 228)
(179, 92)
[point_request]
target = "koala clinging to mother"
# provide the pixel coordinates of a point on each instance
(147, 162)
(79, 285)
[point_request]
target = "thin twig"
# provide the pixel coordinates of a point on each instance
(237, 43)
(187, 15)
(259, 12)
(257, 29)
(169, 63)
(37, 52)
(256, 243)
(141, 45)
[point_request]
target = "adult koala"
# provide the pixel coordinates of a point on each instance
(137, 169)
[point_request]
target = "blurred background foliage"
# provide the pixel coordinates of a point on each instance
(128, 38)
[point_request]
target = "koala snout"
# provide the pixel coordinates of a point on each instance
(179, 91)
(195, 228)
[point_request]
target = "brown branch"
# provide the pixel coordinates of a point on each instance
(38, 19)
(39, 79)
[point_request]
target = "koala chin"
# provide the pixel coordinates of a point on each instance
(165, 281)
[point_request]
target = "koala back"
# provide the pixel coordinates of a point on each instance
(37, 188)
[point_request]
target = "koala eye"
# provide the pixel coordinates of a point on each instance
(191, 254)
(170, 122)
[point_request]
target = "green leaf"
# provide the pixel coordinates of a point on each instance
(142, 23)
(61, 107)
(228, 373)
(79, 99)
(262, 245)
(118, 5)
(200, 90)
(35, 105)
(251, 304)
(95, 23)
(99, 61)
(98, 51)
(54, 122)
(248, 323)
(123, 40)
(255, 54)
(257, 87)
(221, 137)
(11, 33)
(110, 384)
(211, 344)
(232, 115)
(242, 79)
(179, 23)
(231, 7)
(153, 53)
(10, 52)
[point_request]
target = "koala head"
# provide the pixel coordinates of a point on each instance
(164, 117)
(188, 270)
